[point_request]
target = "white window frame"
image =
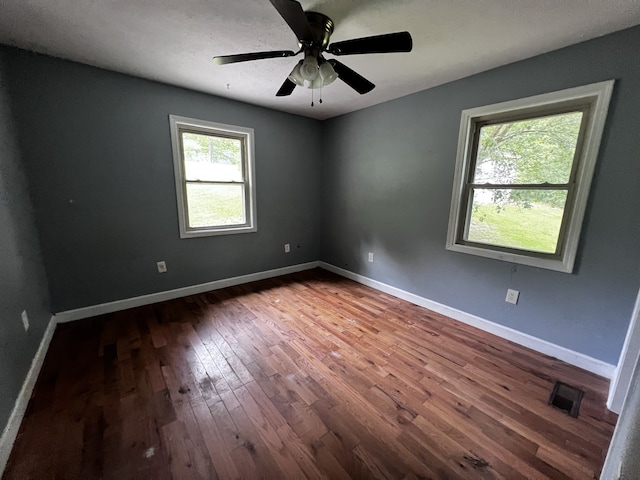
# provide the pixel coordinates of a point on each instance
(246, 135)
(595, 98)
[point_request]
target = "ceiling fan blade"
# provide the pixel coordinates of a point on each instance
(293, 14)
(246, 57)
(351, 78)
(387, 43)
(286, 89)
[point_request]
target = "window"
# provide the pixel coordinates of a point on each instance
(522, 176)
(214, 171)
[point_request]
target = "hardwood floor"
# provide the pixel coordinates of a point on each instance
(304, 376)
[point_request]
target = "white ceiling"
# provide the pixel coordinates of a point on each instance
(173, 41)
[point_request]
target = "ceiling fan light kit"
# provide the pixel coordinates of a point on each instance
(314, 77)
(313, 31)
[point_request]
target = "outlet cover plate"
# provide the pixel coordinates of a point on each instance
(162, 267)
(512, 296)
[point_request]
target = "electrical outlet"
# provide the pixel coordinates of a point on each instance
(512, 296)
(287, 248)
(25, 320)
(162, 267)
(370, 257)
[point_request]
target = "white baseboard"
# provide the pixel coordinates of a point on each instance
(561, 353)
(13, 425)
(116, 306)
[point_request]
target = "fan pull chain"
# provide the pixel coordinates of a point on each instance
(319, 101)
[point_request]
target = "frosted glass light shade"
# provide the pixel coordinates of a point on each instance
(309, 68)
(317, 83)
(296, 76)
(327, 73)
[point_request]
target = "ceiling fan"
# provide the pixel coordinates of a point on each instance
(313, 31)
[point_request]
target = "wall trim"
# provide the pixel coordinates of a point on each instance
(15, 420)
(561, 353)
(629, 355)
(117, 305)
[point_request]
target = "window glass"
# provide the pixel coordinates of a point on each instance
(537, 150)
(212, 158)
(215, 204)
(527, 224)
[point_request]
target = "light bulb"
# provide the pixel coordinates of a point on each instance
(309, 68)
(295, 76)
(327, 73)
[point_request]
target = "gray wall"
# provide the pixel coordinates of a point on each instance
(97, 152)
(387, 187)
(23, 283)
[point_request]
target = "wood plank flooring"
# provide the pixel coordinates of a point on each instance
(304, 376)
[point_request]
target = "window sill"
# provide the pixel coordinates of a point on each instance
(526, 258)
(217, 231)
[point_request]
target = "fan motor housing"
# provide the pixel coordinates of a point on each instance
(322, 28)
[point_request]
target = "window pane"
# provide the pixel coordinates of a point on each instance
(522, 219)
(215, 205)
(530, 151)
(212, 158)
